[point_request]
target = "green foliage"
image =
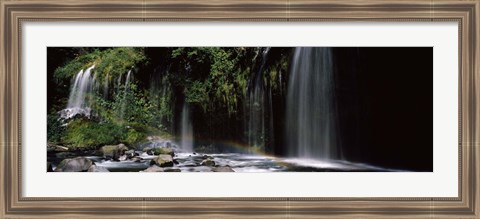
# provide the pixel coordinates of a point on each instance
(55, 130)
(212, 79)
(88, 134)
(108, 63)
(77, 64)
(133, 136)
(82, 133)
(197, 93)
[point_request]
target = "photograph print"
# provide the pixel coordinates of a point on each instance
(239, 109)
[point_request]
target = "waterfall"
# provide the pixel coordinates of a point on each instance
(258, 106)
(311, 117)
(125, 91)
(187, 131)
(78, 101)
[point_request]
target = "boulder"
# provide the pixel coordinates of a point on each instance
(123, 158)
(207, 157)
(95, 168)
(223, 169)
(163, 160)
(130, 153)
(148, 150)
(78, 164)
(158, 151)
(173, 170)
(208, 162)
(137, 159)
(113, 151)
(154, 168)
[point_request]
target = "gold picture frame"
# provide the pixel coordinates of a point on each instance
(13, 13)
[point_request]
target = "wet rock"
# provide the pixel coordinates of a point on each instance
(137, 159)
(123, 158)
(113, 151)
(95, 168)
(175, 161)
(130, 153)
(148, 150)
(63, 155)
(163, 160)
(208, 162)
(158, 151)
(173, 170)
(207, 157)
(223, 169)
(154, 168)
(78, 164)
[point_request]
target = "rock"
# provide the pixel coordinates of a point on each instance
(95, 168)
(137, 159)
(64, 155)
(59, 148)
(130, 153)
(158, 151)
(154, 168)
(173, 170)
(78, 164)
(223, 169)
(207, 157)
(163, 160)
(113, 151)
(148, 150)
(208, 162)
(175, 161)
(56, 148)
(49, 167)
(123, 158)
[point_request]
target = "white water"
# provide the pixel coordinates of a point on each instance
(78, 101)
(311, 117)
(186, 143)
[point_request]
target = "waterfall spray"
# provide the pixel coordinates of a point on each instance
(78, 101)
(125, 91)
(311, 116)
(258, 105)
(187, 131)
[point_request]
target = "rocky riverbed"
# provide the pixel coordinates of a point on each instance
(165, 156)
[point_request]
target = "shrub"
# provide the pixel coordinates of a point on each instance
(87, 134)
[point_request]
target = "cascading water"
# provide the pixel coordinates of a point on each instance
(125, 91)
(311, 117)
(161, 95)
(257, 99)
(78, 102)
(186, 143)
